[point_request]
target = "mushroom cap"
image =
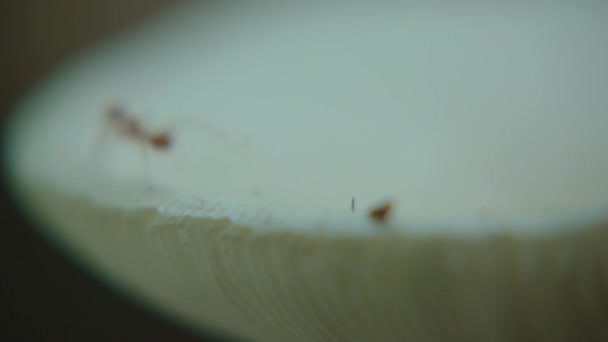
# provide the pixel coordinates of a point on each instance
(490, 134)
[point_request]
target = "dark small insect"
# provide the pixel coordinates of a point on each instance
(352, 204)
(380, 213)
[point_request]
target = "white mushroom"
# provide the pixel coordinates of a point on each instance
(486, 124)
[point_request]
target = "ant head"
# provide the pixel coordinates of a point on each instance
(161, 141)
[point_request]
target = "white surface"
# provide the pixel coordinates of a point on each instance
(458, 113)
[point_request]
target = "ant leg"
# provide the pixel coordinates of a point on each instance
(101, 137)
(217, 135)
(199, 124)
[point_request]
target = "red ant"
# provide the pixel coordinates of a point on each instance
(130, 128)
(123, 123)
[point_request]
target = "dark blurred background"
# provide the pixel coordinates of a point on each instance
(43, 296)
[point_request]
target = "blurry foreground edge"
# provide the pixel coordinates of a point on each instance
(43, 295)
